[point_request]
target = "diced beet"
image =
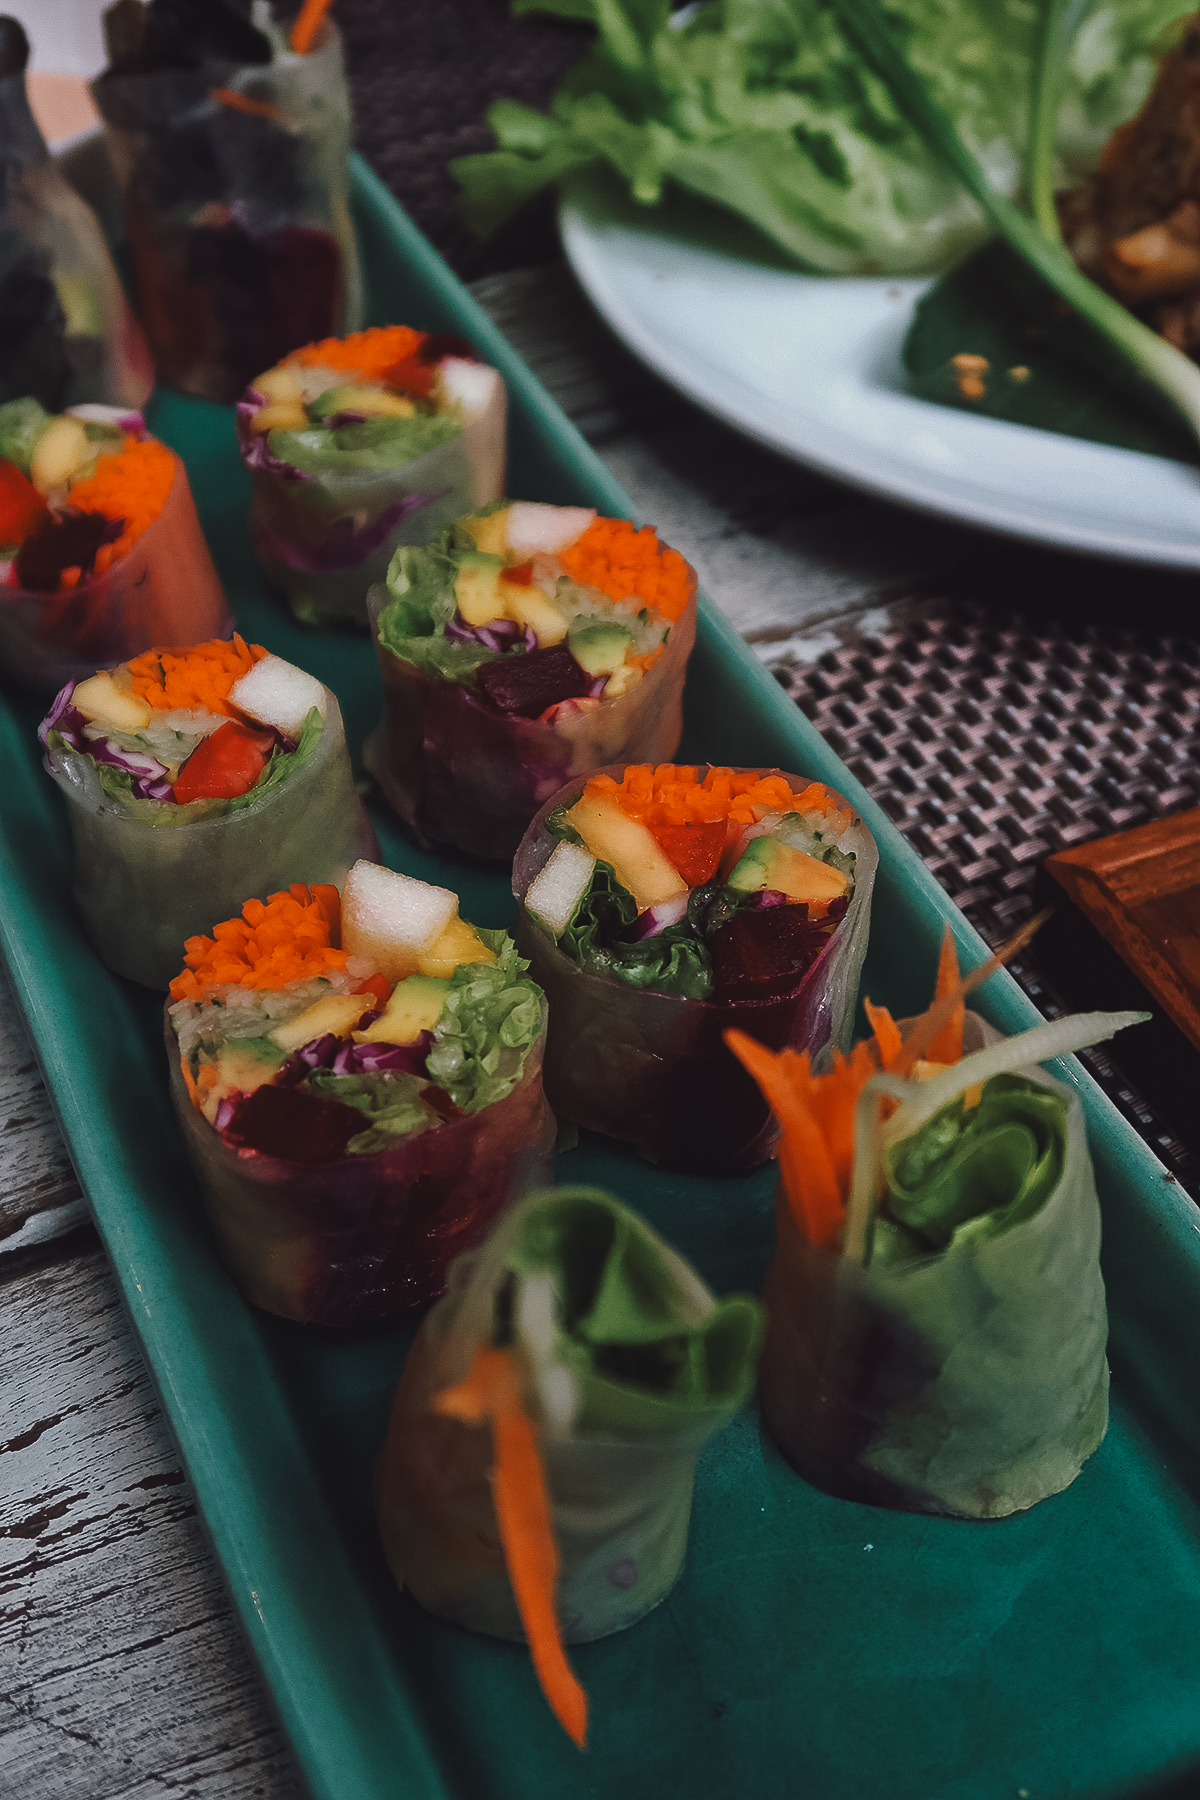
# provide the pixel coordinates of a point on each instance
(528, 684)
(284, 1122)
(69, 542)
(695, 850)
(763, 953)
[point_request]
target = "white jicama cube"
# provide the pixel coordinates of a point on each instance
(389, 920)
(556, 891)
(469, 387)
(533, 527)
(278, 693)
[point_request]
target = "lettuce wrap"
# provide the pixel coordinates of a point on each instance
(231, 150)
(642, 988)
(937, 1325)
(359, 445)
(151, 866)
(527, 645)
(352, 1132)
(105, 556)
(624, 1365)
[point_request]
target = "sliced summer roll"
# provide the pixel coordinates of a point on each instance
(194, 777)
(101, 552)
(536, 1481)
(529, 644)
(358, 445)
(359, 1084)
(660, 906)
(937, 1324)
(230, 140)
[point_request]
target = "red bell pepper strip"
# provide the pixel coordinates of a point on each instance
(225, 765)
(21, 506)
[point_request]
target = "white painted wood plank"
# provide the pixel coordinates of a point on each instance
(123, 1673)
(39, 1195)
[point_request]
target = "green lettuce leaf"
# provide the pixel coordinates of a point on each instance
(22, 423)
(413, 624)
(972, 1173)
(392, 1102)
(765, 108)
(490, 1019)
(374, 445)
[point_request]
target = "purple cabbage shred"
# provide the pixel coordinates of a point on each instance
(256, 452)
(499, 636)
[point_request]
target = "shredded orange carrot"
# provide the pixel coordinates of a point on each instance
(284, 939)
(258, 109)
(197, 678)
(132, 486)
(674, 794)
(308, 23)
(492, 1392)
(947, 1046)
(628, 564)
(371, 355)
(887, 1033)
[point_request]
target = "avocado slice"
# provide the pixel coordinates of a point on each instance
(599, 645)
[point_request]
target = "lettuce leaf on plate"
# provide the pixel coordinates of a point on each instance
(766, 108)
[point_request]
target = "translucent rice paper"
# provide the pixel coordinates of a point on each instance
(653, 1069)
(971, 1383)
(69, 336)
(144, 888)
(463, 774)
(366, 1237)
(165, 591)
(239, 224)
(620, 1495)
(326, 538)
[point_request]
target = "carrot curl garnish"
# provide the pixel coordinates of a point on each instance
(308, 22)
(245, 103)
(492, 1392)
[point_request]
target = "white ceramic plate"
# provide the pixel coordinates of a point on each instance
(811, 367)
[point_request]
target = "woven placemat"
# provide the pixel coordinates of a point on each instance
(992, 739)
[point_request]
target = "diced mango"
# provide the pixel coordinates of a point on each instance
(279, 384)
(766, 863)
(622, 680)
(459, 943)
(101, 700)
(476, 590)
(63, 448)
(489, 532)
(529, 606)
(415, 1006)
(638, 862)
(338, 1013)
(280, 415)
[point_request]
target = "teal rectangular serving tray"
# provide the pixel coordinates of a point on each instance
(814, 1647)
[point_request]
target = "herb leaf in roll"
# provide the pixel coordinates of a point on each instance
(361, 444)
(937, 1324)
(536, 1481)
(661, 905)
(193, 776)
(528, 644)
(359, 1082)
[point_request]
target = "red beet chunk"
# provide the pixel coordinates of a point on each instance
(761, 954)
(528, 684)
(70, 542)
(695, 850)
(282, 1121)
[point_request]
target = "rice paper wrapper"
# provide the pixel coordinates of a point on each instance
(653, 1069)
(144, 888)
(239, 224)
(165, 591)
(325, 539)
(619, 1480)
(366, 1237)
(971, 1383)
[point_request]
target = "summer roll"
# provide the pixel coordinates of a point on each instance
(358, 1078)
(526, 646)
(358, 445)
(101, 543)
(937, 1322)
(536, 1481)
(660, 905)
(194, 777)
